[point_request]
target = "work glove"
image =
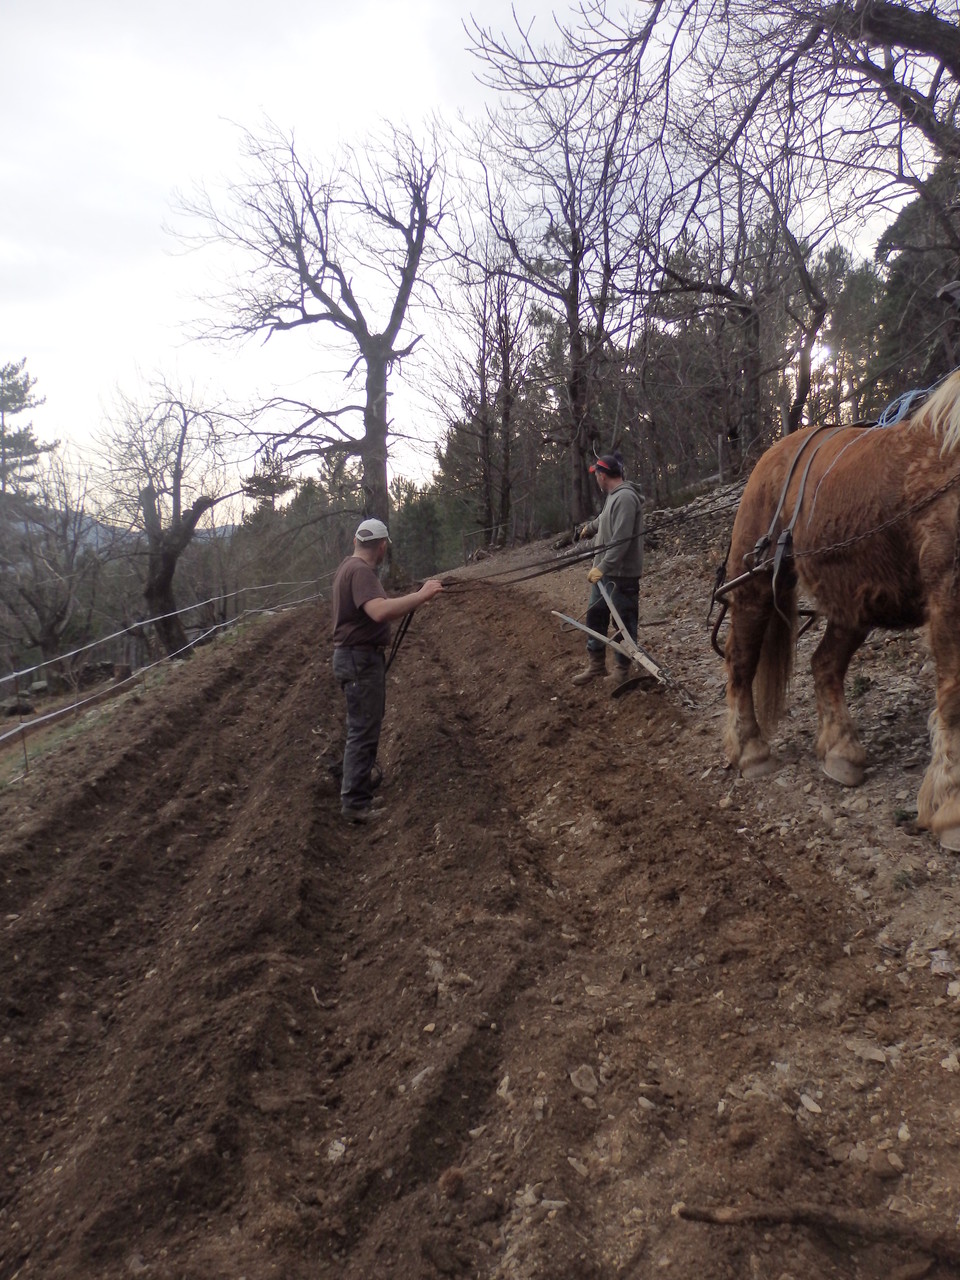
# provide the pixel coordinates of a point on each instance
(595, 574)
(581, 533)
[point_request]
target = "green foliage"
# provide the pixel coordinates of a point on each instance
(270, 481)
(423, 542)
(918, 334)
(841, 383)
(306, 539)
(19, 449)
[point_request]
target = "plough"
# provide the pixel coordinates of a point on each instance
(650, 673)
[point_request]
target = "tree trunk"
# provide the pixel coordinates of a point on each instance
(166, 547)
(506, 429)
(51, 630)
(158, 594)
(585, 437)
(582, 433)
(373, 449)
(795, 420)
(486, 454)
(750, 418)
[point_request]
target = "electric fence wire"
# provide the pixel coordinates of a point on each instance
(141, 673)
(512, 575)
(136, 627)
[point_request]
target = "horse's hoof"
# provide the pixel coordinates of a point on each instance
(840, 769)
(758, 769)
(950, 839)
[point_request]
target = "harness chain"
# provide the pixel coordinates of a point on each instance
(886, 524)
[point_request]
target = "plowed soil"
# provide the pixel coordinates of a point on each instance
(578, 988)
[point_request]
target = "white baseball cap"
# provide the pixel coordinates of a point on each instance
(372, 531)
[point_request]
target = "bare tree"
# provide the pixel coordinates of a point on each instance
(563, 194)
(481, 376)
(741, 121)
(165, 469)
(871, 86)
(49, 555)
(340, 253)
(748, 241)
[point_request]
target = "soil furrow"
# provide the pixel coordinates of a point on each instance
(575, 975)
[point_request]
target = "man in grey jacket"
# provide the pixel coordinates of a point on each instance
(618, 535)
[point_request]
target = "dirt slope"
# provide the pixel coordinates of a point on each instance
(577, 976)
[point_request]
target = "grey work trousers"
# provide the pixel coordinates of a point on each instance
(625, 593)
(361, 674)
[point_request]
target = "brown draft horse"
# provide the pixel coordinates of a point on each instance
(863, 520)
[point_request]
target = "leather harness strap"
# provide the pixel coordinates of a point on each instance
(763, 543)
(784, 549)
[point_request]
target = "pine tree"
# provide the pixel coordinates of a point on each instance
(19, 448)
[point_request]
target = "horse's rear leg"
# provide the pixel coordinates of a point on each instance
(838, 744)
(744, 744)
(938, 803)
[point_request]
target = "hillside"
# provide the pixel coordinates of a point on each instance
(578, 985)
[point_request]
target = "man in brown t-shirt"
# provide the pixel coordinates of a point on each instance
(362, 613)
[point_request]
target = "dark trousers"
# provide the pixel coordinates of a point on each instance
(361, 675)
(625, 593)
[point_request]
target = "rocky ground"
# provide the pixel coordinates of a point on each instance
(582, 1004)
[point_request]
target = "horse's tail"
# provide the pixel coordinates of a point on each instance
(775, 668)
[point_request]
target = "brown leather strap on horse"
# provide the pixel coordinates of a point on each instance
(784, 548)
(763, 543)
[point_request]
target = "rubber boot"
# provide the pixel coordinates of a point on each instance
(595, 669)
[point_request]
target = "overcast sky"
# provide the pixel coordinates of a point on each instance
(112, 106)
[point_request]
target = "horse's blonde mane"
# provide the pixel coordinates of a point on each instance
(941, 413)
